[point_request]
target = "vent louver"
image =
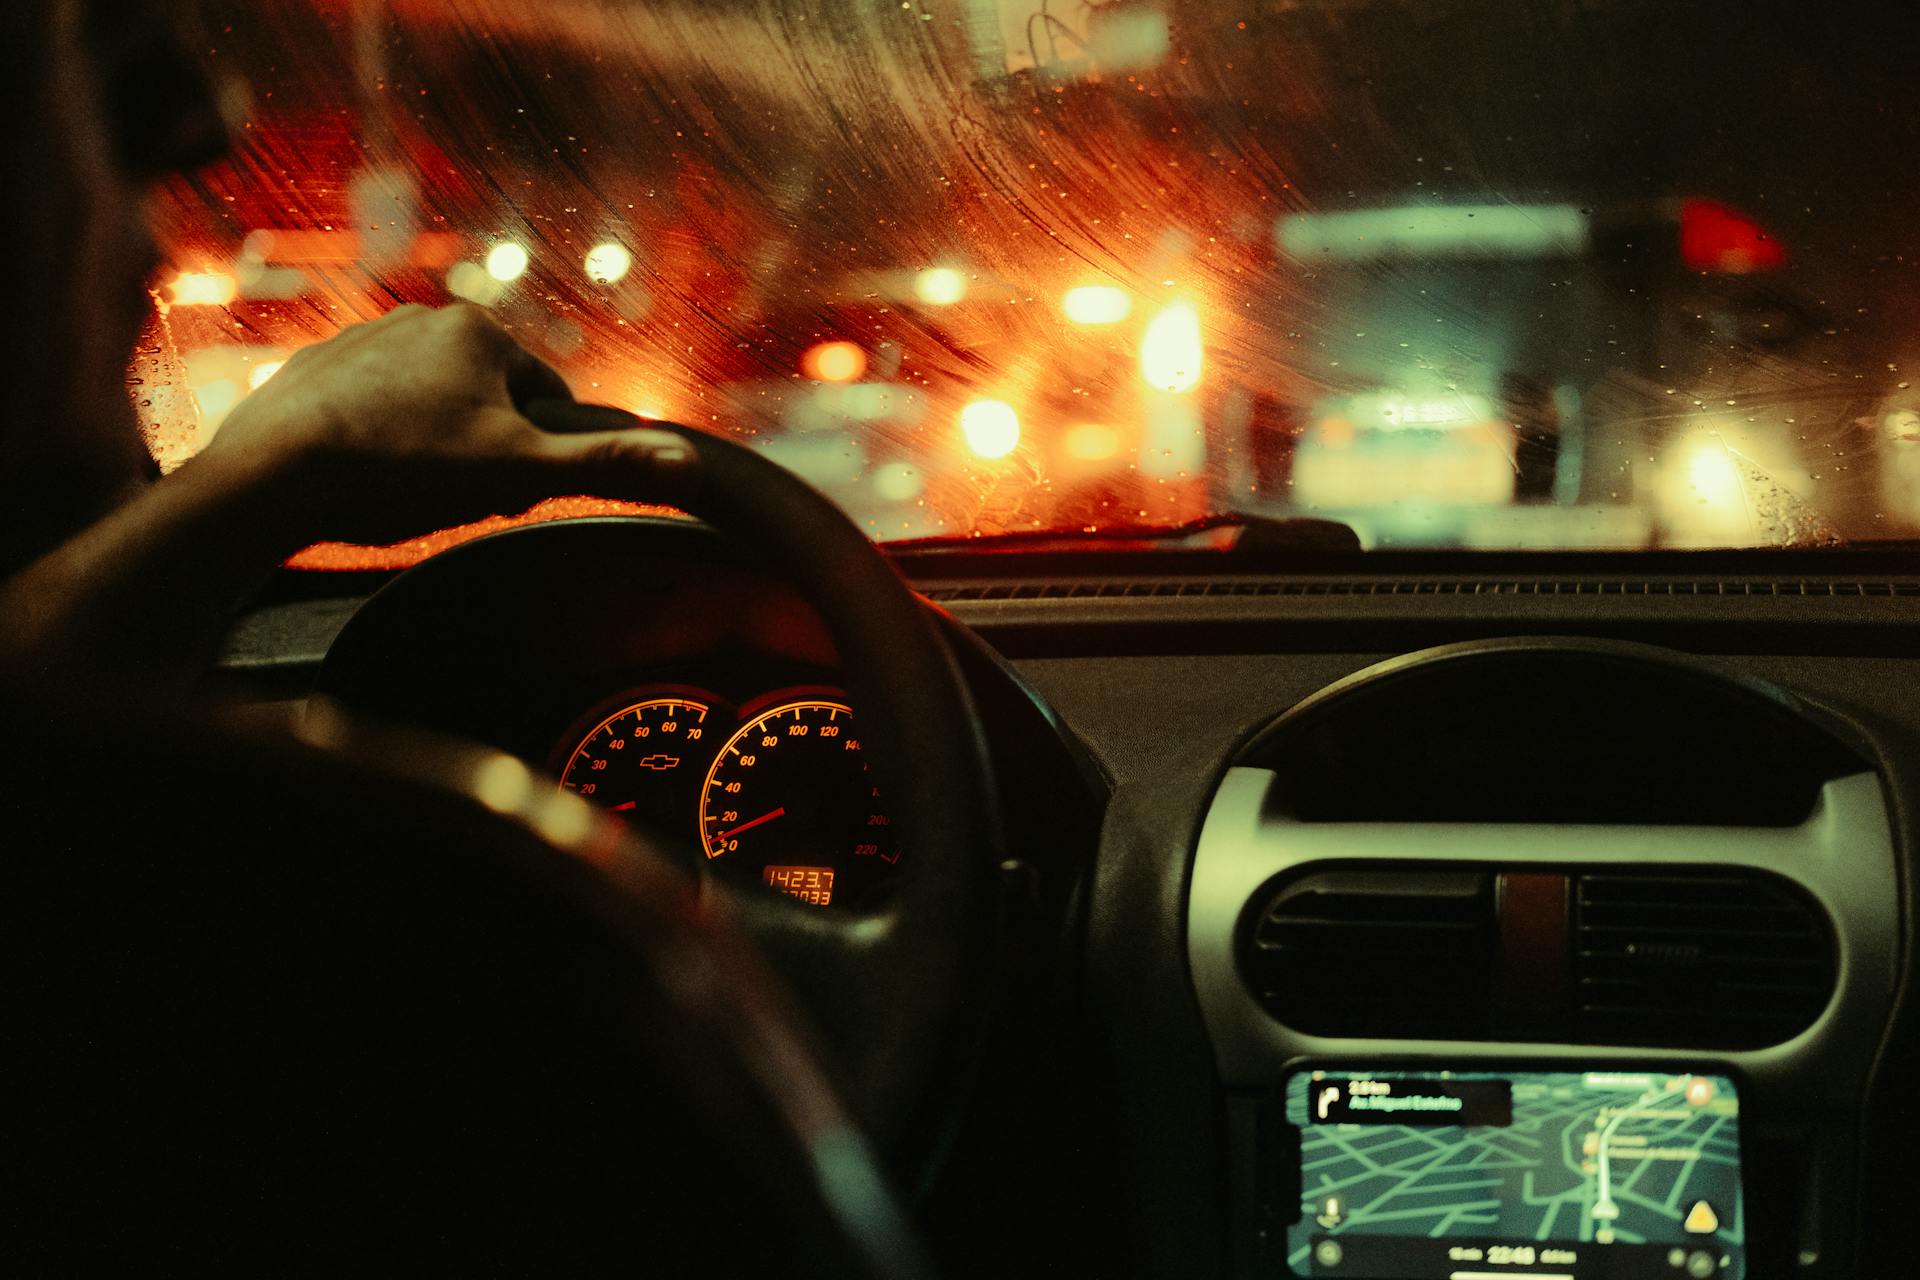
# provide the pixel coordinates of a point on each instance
(1685, 958)
(1347, 953)
(1707, 960)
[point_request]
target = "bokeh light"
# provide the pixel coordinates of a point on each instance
(991, 428)
(507, 262)
(1092, 442)
(834, 362)
(203, 289)
(470, 282)
(897, 481)
(1712, 476)
(1170, 352)
(940, 286)
(1097, 304)
(216, 399)
(608, 263)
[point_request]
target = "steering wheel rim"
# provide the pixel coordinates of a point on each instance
(897, 993)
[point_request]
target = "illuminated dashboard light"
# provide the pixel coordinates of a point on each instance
(1170, 352)
(834, 362)
(1097, 304)
(203, 289)
(608, 263)
(507, 262)
(940, 286)
(812, 885)
(1092, 442)
(261, 372)
(991, 428)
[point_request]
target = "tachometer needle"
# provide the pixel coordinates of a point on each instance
(765, 817)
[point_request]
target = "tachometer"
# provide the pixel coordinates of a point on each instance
(634, 761)
(789, 803)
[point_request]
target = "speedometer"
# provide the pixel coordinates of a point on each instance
(635, 761)
(789, 802)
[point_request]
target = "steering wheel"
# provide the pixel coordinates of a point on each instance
(896, 994)
(288, 999)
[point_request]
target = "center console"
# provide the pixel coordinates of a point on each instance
(1545, 959)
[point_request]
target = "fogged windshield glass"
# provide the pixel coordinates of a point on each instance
(1549, 273)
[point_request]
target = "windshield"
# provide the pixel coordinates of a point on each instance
(1553, 273)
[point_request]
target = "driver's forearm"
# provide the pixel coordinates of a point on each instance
(142, 598)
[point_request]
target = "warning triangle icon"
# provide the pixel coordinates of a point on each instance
(1701, 1219)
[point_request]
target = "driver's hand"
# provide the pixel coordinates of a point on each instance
(406, 424)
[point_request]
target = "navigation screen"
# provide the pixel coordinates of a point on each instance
(1471, 1175)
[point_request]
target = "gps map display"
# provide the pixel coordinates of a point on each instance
(1468, 1175)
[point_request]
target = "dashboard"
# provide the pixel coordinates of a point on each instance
(1609, 874)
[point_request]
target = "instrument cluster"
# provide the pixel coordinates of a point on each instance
(774, 792)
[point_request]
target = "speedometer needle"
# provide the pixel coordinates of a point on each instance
(745, 826)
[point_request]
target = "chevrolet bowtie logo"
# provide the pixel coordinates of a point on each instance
(659, 762)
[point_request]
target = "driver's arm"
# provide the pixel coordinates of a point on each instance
(391, 429)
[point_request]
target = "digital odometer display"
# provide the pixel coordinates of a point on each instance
(1440, 1175)
(812, 885)
(790, 793)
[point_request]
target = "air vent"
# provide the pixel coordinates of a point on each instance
(1098, 590)
(1356, 953)
(1680, 958)
(1704, 960)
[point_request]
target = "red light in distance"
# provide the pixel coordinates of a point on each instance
(1714, 237)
